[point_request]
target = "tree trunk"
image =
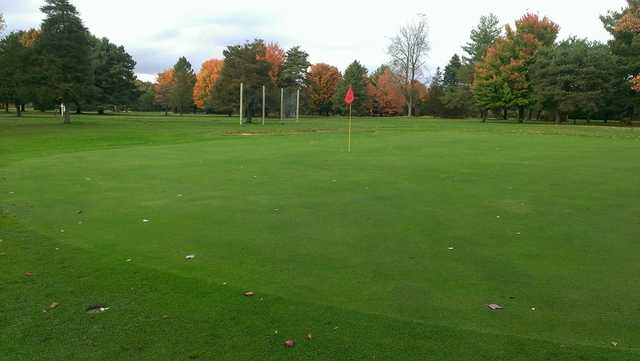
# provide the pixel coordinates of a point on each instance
(505, 114)
(6, 107)
(410, 105)
(22, 107)
(78, 110)
(18, 110)
(557, 117)
(484, 114)
(530, 115)
(521, 114)
(67, 118)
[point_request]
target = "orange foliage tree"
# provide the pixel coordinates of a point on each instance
(386, 94)
(274, 55)
(164, 84)
(626, 29)
(208, 75)
(502, 78)
(422, 96)
(323, 82)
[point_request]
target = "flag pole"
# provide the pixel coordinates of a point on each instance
(349, 128)
(241, 100)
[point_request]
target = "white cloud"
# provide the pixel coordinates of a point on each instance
(156, 33)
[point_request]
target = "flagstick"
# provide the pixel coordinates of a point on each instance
(349, 128)
(241, 100)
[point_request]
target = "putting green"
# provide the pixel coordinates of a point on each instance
(424, 224)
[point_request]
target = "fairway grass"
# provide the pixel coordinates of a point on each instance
(391, 252)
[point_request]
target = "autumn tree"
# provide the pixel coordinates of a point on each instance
(323, 83)
(205, 80)
(422, 97)
(164, 88)
(63, 51)
(502, 79)
(408, 51)
(624, 26)
(386, 93)
(275, 56)
(242, 64)
(356, 76)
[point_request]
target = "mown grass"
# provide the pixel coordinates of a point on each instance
(350, 248)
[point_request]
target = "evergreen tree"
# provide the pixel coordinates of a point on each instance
(63, 50)
(16, 69)
(624, 26)
(574, 77)
(434, 103)
(355, 76)
(181, 97)
(294, 71)
(146, 98)
(115, 80)
(502, 78)
(242, 64)
(450, 78)
(482, 38)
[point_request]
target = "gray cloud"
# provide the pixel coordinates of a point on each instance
(336, 32)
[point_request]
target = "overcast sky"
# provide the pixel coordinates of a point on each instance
(337, 32)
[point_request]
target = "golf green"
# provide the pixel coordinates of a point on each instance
(390, 252)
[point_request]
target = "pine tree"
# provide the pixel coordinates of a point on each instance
(63, 51)
(356, 76)
(482, 37)
(294, 72)
(115, 79)
(182, 92)
(450, 78)
(242, 64)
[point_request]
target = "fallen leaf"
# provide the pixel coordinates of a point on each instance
(309, 336)
(53, 305)
(289, 343)
(495, 307)
(249, 294)
(28, 274)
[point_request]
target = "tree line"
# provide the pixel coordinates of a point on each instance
(525, 73)
(518, 71)
(63, 63)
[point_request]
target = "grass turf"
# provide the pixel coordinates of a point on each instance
(351, 248)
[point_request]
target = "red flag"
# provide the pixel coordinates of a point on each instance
(349, 97)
